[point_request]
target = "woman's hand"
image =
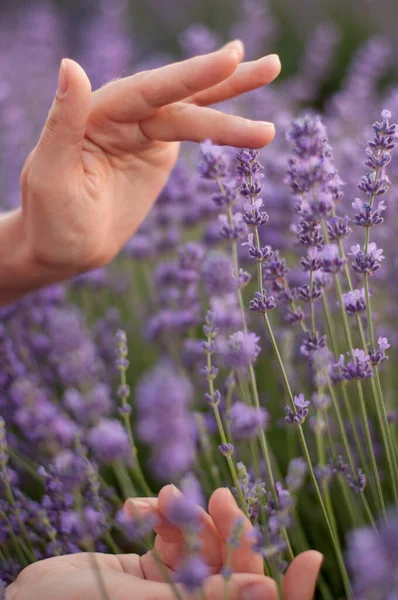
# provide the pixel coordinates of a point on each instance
(249, 582)
(139, 578)
(103, 158)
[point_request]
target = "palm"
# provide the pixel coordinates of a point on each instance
(83, 201)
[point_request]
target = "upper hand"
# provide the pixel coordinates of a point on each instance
(103, 157)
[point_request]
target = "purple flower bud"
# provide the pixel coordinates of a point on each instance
(338, 228)
(262, 303)
(259, 254)
(226, 449)
(246, 422)
(213, 400)
(307, 294)
(369, 262)
(213, 163)
(354, 302)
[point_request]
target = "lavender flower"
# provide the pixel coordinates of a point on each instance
(359, 367)
(297, 471)
(366, 216)
(246, 422)
(298, 416)
(260, 254)
(109, 441)
(241, 350)
(368, 262)
(379, 356)
(213, 164)
(338, 228)
(373, 558)
(262, 303)
(163, 398)
(331, 260)
(354, 302)
(192, 573)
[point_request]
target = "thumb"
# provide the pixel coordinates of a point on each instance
(60, 142)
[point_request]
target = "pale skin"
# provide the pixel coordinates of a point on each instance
(100, 163)
(103, 158)
(131, 577)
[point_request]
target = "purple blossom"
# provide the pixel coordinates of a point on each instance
(338, 228)
(217, 274)
(109, 442)
(241, 350)
(359, 367)
(253, 216)
(379, 356)
(354, 302)
(164, 420)
(300, 413)
(260, 254)
(331, 260)
(309, 294)
(232, 231)
(368, 262)
(262, 303)
(311, 262)
(296, 474)
(184, 510)
(226, 449)
(192, 573)
(213, 163)
(246, 422)
(366, 216)
(373, 559)
(311, 342)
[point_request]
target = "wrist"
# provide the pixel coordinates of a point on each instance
(20, 271)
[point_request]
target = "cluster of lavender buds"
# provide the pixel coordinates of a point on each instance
(253, 278)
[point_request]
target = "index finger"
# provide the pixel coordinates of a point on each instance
(139, 96)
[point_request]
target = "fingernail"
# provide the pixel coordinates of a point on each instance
(270, 127)
(62, 79)
(231, 498)
(175, 491)
(274, 56)
(255, 591)
(139, 506)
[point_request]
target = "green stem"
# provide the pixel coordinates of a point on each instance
(375, 382)
(312, 308)
(358, 383)
(304, 447)
(235, 262)
(139, 475)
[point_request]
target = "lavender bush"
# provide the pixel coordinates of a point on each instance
(241, 338)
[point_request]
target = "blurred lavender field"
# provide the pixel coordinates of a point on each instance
(59, 369)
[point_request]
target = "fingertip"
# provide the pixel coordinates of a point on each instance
(220, 498)
(138, 507)
(264, 134)
(301, 577)
(236, 45)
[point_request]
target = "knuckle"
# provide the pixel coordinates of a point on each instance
(53, 123)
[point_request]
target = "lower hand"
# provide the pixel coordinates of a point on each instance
(139, 578)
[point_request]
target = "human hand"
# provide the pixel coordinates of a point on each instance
(104, 157)
(248, 581)
(131, 576)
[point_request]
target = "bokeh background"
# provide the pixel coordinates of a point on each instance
(57, 372)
